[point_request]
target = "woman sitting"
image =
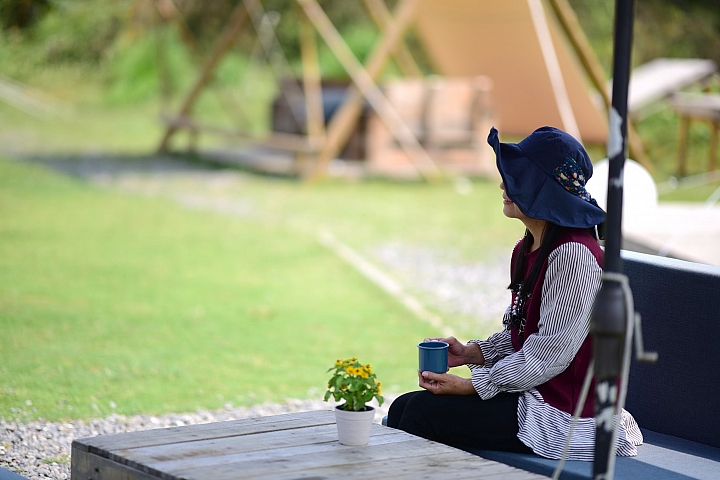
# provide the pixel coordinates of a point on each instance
(526, 379)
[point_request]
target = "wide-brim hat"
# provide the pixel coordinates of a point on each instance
(545, 175)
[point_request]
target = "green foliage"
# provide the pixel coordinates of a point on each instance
(677, 28)
(360, 39)
(666, 28)
(354, 383)
(22, 13)
(136, 71)
(597, 18)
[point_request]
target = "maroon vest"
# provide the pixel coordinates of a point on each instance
(562, 391)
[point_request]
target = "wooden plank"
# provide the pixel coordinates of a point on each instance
(419, 466)
(233, 444)
(205, 431)
(88, 466)
(698, 106)
(441, 466)
(340, 456)
(663, 77)
(282, 447)
(229, 454)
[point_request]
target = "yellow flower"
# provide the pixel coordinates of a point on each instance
(354, 374)
(379, 391)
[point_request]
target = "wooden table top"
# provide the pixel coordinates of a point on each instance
(292, 446)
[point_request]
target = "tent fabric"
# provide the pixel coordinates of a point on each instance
(498, 40)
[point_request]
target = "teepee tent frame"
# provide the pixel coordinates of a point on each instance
(325, 138)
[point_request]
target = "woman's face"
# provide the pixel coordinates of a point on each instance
(511, 210)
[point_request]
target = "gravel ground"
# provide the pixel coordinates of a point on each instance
(41, 449)
(447, 284)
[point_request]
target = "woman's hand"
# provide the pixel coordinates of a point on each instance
(445, 384)
(460, 354)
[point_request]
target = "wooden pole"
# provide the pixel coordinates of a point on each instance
(715, 133)
(224, 42)
(311, 80)
(364, 82)
(382, 16)
(683, 144)
(552, 66)
(312, 88)
(572, 28)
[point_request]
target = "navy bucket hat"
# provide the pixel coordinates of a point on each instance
(545, 175)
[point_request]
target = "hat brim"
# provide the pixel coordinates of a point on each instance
(537, 194)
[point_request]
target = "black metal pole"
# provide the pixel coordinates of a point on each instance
(609, 319)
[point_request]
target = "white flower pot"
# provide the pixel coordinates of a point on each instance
(354, 427)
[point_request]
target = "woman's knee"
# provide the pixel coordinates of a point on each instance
(420, 413)
(397, 409)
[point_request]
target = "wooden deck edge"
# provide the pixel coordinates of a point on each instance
(87, 466)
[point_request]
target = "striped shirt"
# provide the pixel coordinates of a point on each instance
(567, 293)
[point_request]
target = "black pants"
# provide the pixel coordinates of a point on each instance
(462, 421)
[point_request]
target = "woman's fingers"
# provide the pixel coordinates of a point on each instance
(444, 383)
(430, 381)
(449, 340)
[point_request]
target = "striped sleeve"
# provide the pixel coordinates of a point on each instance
(571, 283)
(496, 347)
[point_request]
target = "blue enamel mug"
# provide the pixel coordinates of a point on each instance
(433, 356)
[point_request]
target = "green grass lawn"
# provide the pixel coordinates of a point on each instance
(117, 302)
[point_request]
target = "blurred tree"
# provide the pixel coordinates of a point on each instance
(663, 28)
(22, 13)
(677, 28)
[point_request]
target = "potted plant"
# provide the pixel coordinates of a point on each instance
(356, 384)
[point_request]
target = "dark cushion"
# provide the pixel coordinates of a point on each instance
(680, 307)
(8, 475)
(661, 457)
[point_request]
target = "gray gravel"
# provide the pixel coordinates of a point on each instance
(447, 283)
(41, 449)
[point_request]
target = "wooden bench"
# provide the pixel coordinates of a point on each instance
(676, 400)
(292, 446)
(697, 107)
